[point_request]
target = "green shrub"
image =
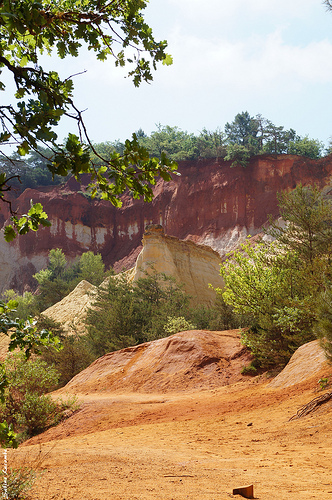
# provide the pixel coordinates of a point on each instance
(72, 359)
(25, 405)
(29, 376)
(179, 324)
(17, 482)
(250, 369)
(323, 383)
(37, 413)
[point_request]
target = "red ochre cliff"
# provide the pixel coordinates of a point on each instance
(209, 203)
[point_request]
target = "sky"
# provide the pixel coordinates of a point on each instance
(268, 57)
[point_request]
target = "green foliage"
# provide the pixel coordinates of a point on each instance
(29, 376)
(323, 326)
(30, 172)
(106, 150)
(60, 277)
(8, 437)
(36, 413)
(91, 268)
(57, 263)
(241, 138)
(267, 284)
(57, 281)
(126, 314)
(202, 316)
(117, 30)
(177, 324)
(211, 144)
(25, 304)
(17, 482)
(223, 317)
(250, 369)
(74, 357)
(171, 141)
(29, 221)
(247, 136)
(275, 139)
(308, 231)
(323, 383)
(239, 155)
(305, 146)
(25, 405)
(278, 284)
(242, 131)
(23, 334)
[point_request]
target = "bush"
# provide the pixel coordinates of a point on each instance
(37, 413)
(179, 324)
(250, 369)
(72, 359)
(25, 405)
(223, 316)
(25, 304)
(17, 482)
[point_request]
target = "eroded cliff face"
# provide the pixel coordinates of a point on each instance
(210, 203)
(196, 266)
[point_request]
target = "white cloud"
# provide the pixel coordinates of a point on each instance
(268, 56)
(252, 63)
(225, 9)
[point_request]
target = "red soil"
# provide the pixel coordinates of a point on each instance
(176, 444)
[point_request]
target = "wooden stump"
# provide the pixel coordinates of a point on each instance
(245, 491)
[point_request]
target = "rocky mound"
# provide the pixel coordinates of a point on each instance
(71, 310)
(187, 360)
(307, 361)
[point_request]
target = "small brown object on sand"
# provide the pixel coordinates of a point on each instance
(245, 491)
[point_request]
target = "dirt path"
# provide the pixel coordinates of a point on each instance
(194, 445)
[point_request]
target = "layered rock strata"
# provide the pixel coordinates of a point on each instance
(210, 203)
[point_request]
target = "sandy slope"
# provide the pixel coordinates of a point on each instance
(193, 444)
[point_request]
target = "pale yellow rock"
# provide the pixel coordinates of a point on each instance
(306, 361)
(196, 266)
(71, 310)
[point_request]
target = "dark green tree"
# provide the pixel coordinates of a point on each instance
(308, 230)
(242, 140)
(211, 144)
(91, 268)
(304, 146)
(105, 151)
(277, 139)
(243, 130)
(171, 141)
(127, 314)
(323, 325)
(61, 277)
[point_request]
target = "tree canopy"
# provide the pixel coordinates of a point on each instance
(110, 29)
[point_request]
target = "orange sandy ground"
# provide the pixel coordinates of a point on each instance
(193, 445)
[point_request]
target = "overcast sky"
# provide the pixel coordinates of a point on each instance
(268, 57)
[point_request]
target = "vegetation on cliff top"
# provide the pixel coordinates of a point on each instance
(241, 139)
